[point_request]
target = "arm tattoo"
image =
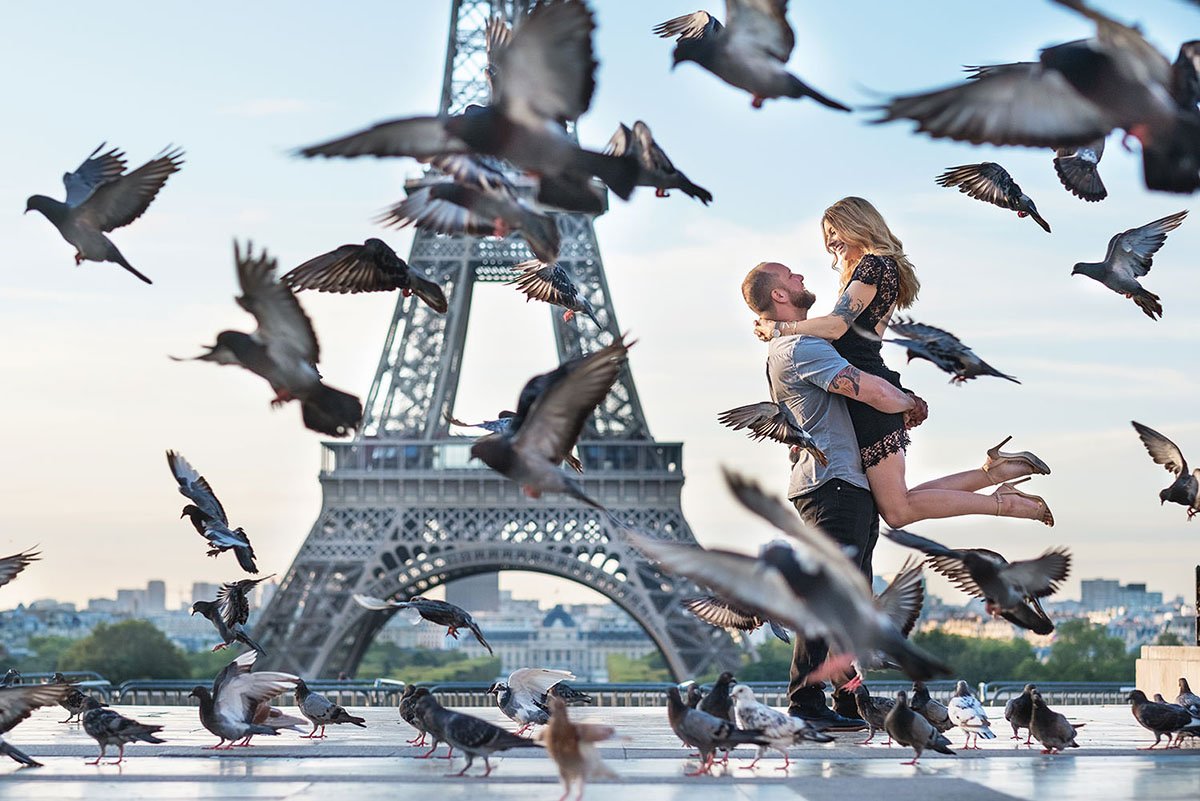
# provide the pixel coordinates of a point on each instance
(847, 382)
(847, 308)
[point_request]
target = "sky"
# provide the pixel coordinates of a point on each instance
(91, 400)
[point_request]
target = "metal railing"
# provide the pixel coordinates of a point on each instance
(1059, 693)
(175, 692)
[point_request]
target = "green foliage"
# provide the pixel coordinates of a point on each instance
(1084, 651)
(424, 665)
(1169, 638)
(976, 659)
(131, 649)
(47, 651)
(205, 665)
(774, 663)
(650, 667)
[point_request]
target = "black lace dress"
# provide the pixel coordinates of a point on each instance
(879, 435)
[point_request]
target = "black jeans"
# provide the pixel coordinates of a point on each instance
(847, 514)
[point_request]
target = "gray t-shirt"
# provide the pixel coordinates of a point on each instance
(800, 369)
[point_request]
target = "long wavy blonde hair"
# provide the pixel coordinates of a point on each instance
(862, 227)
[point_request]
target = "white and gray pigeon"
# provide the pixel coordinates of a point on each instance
(780, 730)
(322, 712)
(523, 697)
(549, 430)
(1077, 169)
(654, 168)
(551, 284)
(17, 703)
(991, 183)
(1186, 697)
(908, 728)
(283, 349)
(370, 267)
(208, 516)
(229, 709)
(706, 732)
(967, 713)
(229, 612)
(109, 727)
(1130, 254)
(771, 420)
(443, 613)
(1185, 489)
(942, 349)
(11, 566)
(102, 197)
(749, 52)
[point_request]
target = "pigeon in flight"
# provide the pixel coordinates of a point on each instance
(17, 703)
(1077, 170)
(563, 401)
(749, 52)
(283, 349)
(523, 697)
(908, 728)
(503, 424)
(370, 267)
(727, 615)
(1010, 590)
(102, 197)
(108, 727)
(780, 730)
(1051, 728)
(544, 76)
(572, 747)
(442, 613)
(991, 183)
(967, 713)
(229, 709)
(229, 612)
(770, 420)
(208, 516)
(321, 712)
(1130, 254)
(10, 566)
(943, 349)
(550, 283)
(654, 168)
(901, 600)
(1185, 489)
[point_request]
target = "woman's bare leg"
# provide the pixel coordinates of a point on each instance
(966, 481)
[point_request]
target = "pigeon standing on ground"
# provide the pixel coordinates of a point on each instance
(706, 732)
(749, 52)
(780, 730)
(1050, 728)
(102, 197)
(1161, 719)
(1186, 697)
(572, 747)
(991, 183)
(108, 727)
(11, 678)
(943, 349)
(208, 516)
(727, 615)
(770, 420)
(370, 267)
(75, 701)
(967, 713)
(10, 566)
(1130, 254)
(654, 168)
(908, 728)
(283, 349)
(18, 703)
(1185, 489)
(1010, 590)
(873, 710)
(408, 712)
(718, 702)
(1077, 170)
(1018, 712)
(443, 613)
(929, 708)
(229, 613)
(469, 734)
(228, 710)
(523, 697)
(320, 711)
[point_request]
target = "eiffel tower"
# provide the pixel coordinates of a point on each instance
(405, 509)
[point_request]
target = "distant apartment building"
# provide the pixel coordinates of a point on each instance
(1098, 595)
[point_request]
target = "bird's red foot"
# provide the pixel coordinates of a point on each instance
(500, 228)
(219, 647)
(661, 193)
(406, 292)
(568, 315)
(532, 492)
(452, 632)
(78, 258)
(757, 102)
(1022, 214)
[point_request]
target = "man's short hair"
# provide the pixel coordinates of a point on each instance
(757, 286)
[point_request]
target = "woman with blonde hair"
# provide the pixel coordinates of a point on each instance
(876, 279)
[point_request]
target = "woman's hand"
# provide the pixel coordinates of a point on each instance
(764, 329)
(918, 413)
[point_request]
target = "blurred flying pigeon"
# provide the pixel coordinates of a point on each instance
(16, 704)
(504, 425)
(229, 709)
(550, 283)
(283, 349)
(908, 728)
(442, 613)
(1186, 697)
(1077, 170)
(991, 183)
(572, 747)
(1050, 728)
(706, 732)
(727, 615)
(322, 712)
(927, 707)
(523, 697)
(10, 566)
(873, 710)
(229, 612)
(943, 349)
(1185, 489)
(967, 713)
(654, 168)
(1018, 712)
(208, 516)
(471, 735)
(370, 267)
(750, 52)
(102, 197)
(553, 423)
(1010, 590)
(109, 727)
(813, 587)
(1130, 254)
(780, 730)
(901, 600)
(542, 77)
(770, 420)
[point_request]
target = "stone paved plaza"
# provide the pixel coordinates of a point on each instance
(374, 763)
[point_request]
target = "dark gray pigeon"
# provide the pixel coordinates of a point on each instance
(504, 425)
(283, 349)
(943, 349)
(1162, 719)
(770, 420)
(229, 612)
(208, 516)
(749, 52)
(550, 283)
(929, 708)
(1018, 712)
(706, 732)
(717, 701)
(108, 727)
(1077, 169)
(1050, 728)
(1185, 489)
(370, 267)
(229, 710)
(908, 728)
(873, 710)
(408, 712)
(654, 168)
(102, 197)
(1008, 589)
(549, 430)
(727, 615)
(991, 183)
(18, 703)
(443, 613)
(75, 701)
(10, 566)
(471, 735)
(1130, 254)
(322, 712)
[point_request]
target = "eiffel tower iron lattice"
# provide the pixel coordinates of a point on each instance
(404, 508)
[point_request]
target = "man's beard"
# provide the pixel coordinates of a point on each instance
(802, 300)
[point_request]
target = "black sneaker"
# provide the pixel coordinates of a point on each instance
(828, 720)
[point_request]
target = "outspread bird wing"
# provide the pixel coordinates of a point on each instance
(233, 601)
(721, 613)
(475, 171)
(414, 137)
(241, 694)
(19, 701)
(447, 211)
(195, 487)
(1130, 253)
(770, 420)
(651, 155)
(92, 173)
(987, 181)
(759, 25)
(1077, 170)
(122, 200)
(1162, 450)
(350, 268)
(1185, 76)
(621, 143)
(548, 283)
(698, 25)
(10, 566)
(902, 600)
(547, 70)
(379, 604)
(537, 681)
(1041, 576)
(925, 333)
(282, 325)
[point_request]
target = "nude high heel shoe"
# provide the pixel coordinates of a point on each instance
(996, 457)
(1046, 517)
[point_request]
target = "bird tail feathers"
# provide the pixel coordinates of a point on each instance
(798, 88)
(1149, 303)
(116, 256)
(331, 411)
